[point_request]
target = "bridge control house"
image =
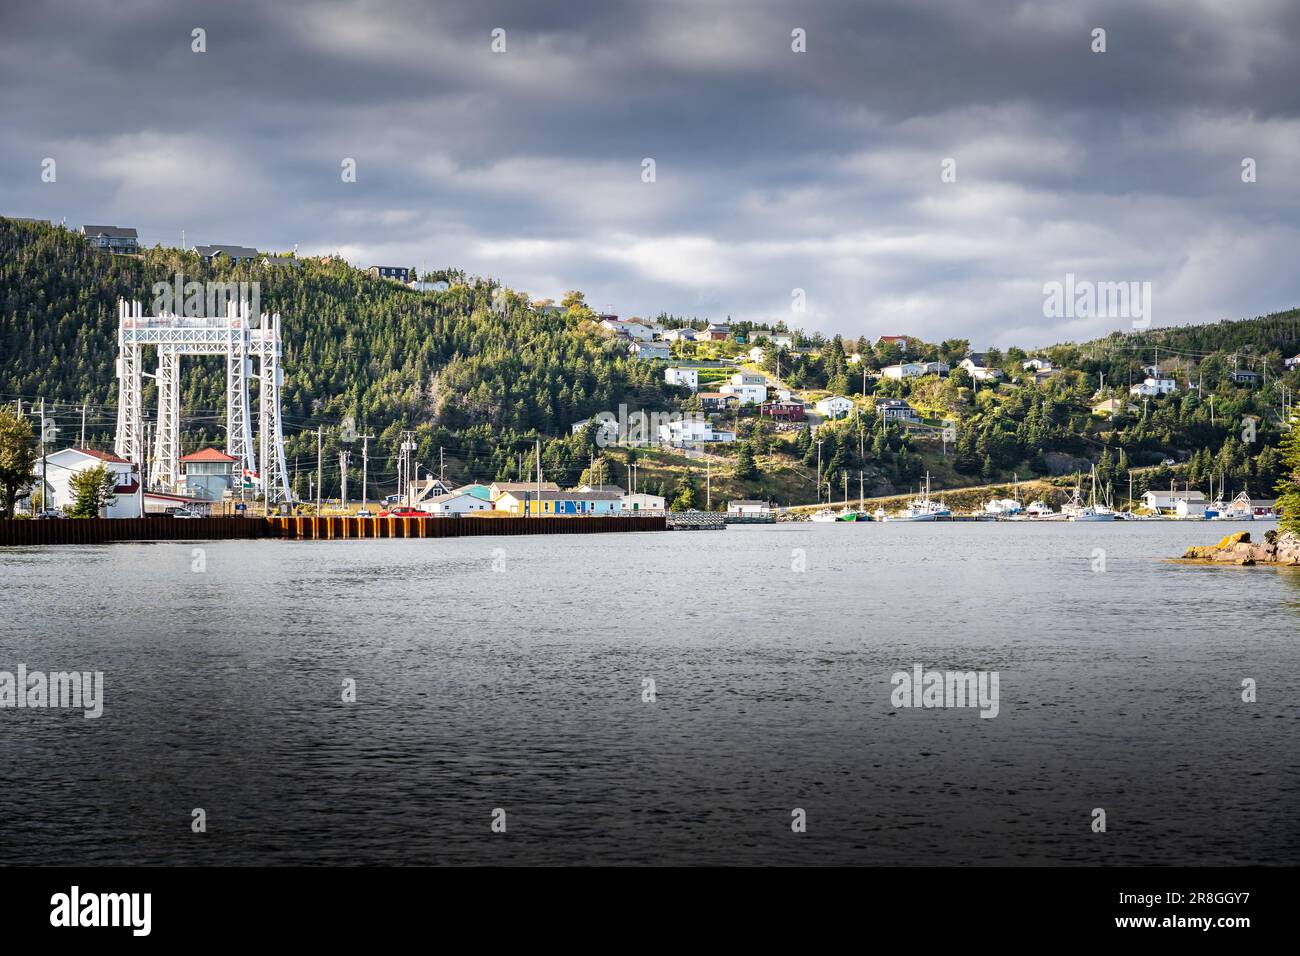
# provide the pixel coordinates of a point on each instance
(208, 474)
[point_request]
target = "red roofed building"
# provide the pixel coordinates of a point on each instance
(58, 467)
(208, 474)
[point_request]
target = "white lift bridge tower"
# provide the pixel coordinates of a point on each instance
(240, 341)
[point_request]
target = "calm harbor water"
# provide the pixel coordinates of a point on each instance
(508, 673)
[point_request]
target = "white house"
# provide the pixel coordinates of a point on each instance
(454, 503)
(896, 410)
(748, 508)
(747, 387)
(782, 340)
(58, 467)
(914, 369)
(906, 370)
(835, 406)
(689, 377)
(642, 503)
(1037, 364)
(1154, 386)
(1169, 500)
(756, 353)
(606, 430)
(689, 431)
(975, 366)
(1292, 362)
(679, 335)
(636, 330)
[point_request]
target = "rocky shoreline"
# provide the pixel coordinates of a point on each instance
(1277, 548)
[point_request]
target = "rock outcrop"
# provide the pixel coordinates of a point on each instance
(1237, 548)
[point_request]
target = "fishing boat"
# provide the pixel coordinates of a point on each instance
(1076, 510)
(922, 508)
(848, 514)
(1040, 510)
(826, 514)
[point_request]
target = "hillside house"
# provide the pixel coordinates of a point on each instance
(749, 389)
(648, 351)
(236, 254)
(119, 239)
(717, 401)
(783, 411)
(896, 410)
(682, 377)
(1154, 387)
(975, 366)
(396, 273)
(834, 406)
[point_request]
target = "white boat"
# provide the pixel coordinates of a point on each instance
(1076, 510)
(922, 508)
(1041, 511)
(826, 514)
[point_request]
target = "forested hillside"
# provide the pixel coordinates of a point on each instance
(479, 384)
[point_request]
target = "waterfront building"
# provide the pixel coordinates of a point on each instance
(57, 469)
(208, 474)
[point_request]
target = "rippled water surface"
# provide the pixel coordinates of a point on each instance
(521, 689)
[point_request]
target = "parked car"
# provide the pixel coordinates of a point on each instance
(365, 513)
(403, 512)
(1168, 461)
(48, 514)
(177, 512)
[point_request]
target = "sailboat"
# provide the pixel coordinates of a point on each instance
(922, 508)
(1092, 511)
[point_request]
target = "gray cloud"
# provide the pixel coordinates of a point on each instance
(775, 170)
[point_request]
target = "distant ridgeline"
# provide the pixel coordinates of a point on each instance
(476, 372)
(478, 382)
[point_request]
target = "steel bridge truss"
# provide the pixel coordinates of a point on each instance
(240, 341)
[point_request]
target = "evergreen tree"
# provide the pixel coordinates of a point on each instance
(92, 489)
(1288, 486)
(687, 496)
(746, 468)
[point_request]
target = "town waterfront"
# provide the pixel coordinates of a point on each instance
(511, 673)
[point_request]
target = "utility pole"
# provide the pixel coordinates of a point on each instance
(365, 464)
(539, 477)
(83, 425)
(45, 464)
(320, 461)
(441, 466)
(819, 471)
(845, 477)
(708, 485)
(861, 495)
(343, 477)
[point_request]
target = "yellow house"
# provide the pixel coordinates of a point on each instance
(563, 503)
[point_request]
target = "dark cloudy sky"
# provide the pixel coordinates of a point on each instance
(775, 170)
